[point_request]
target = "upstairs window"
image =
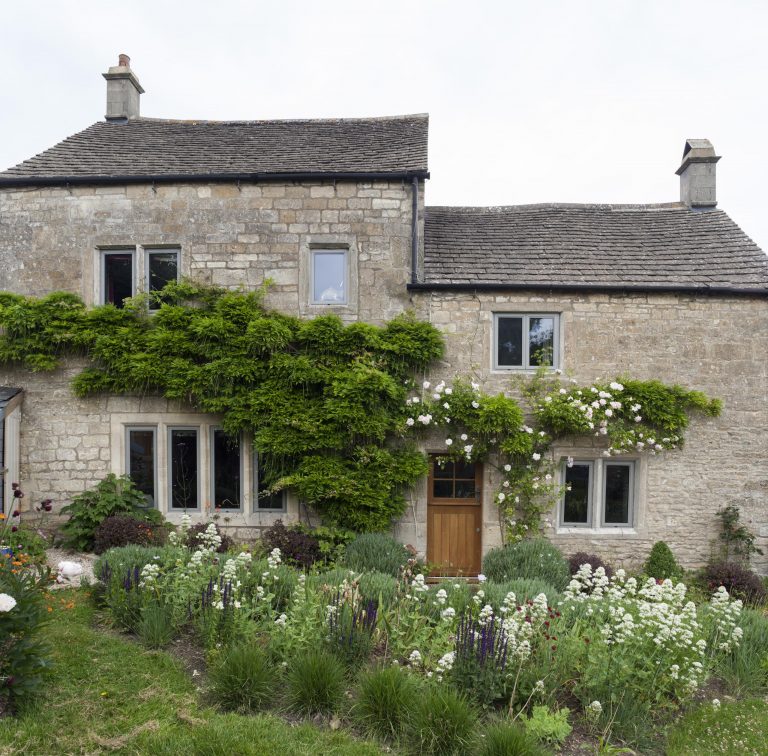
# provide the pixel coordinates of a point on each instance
(599, 493)
(329, 276)
(525, 341)
(162, 268)
(118, 279)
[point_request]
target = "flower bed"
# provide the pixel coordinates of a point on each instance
(629, 652)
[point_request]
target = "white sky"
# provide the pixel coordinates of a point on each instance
(536, 101)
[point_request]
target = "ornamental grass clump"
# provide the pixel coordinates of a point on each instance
(241, 678)
(315, 683)
(533, 559)
(509, 739)
(376, 551)
(385, 699)
(351, 624)
(443, 722)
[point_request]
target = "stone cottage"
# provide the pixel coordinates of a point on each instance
(333, 212)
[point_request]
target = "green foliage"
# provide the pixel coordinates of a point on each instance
(113, 495)
(23, 656)
(155, 628)
(242, 678)
(533, 559)
(376, 551)
(745, 668)
(385, 700)
(661, 563)
(315, 683)
(509, 739)
(442, 722)
(548, 726)
(378, 586)
(29, 542)
(736, 540)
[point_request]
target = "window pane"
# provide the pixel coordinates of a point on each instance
(465, 489)
(444, 469)
(118, 277)
(576, 501)
(617, 494)
(141, 462)
(442, 489)
(510, 342)
(329, 277)
(265, 500)
(183, 454)
(541, 335)
(162, 268)
(226, 470)
(465, 470)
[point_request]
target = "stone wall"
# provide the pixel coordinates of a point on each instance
(714, 344)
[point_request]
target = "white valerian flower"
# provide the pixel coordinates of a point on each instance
(481, 578)
(436, 395)
(536, 456)
(539, 687)
(448, 613)
(449, 391)
(281, 620)
(562, 391)
(608, 412)
(595, 708)
(616, 386)
(415, 656)
(410, 421)
(6, 602)
(426, 384)
(475, 405)
(448, 441)
(446, 405)
(716, 703)
(638, 418)
(415, 400)
(547, 398)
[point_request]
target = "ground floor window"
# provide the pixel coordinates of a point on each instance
(183, 468)
(598, 493)
(225, 470)
(140, 463)
(263, 500)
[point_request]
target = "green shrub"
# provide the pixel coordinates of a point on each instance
(113, 495)
(442, 722)
(29, 542)
(532, 558)
(376, 551)
(155, 628)
(661, 563)
(386, 698)
(509, 739)
(548, 726)
(242, 678)
(331, 578)
(315, 683)
(378, 586)
(495, 593)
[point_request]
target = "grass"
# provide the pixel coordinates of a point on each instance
(107, 694)
(738, 728)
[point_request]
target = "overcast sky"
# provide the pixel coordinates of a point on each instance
(529, 102)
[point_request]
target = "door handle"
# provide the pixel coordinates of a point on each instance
(477, 530)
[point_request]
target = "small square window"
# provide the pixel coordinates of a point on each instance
(329, 276)
(263, 501)
(598, 493)
(117, 276)
(162, 268)
(525, 341)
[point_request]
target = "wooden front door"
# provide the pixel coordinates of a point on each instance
(454, 517)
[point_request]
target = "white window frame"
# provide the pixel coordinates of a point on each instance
(212, 471)
(148, 252)
(596, 501)
(526, 318)
(153, 429)
(169, 467)
(313, 253)
(256, 509)
(108, 252)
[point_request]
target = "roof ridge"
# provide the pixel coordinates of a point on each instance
(354, 119)
(560, 206)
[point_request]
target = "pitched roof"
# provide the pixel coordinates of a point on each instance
(590, 246)
(149, 147)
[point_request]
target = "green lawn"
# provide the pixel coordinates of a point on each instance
(108, 695)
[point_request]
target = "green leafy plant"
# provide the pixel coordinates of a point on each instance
(509, 739)
(533, 559)
(156, 628)
(242, 678)
(548, 726)
(376, 551)
(315, 683)
(113, 495)
(661, 563)
(385, 699)
(442, 722)
(737, 541)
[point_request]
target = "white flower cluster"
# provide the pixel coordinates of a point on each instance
(149, 574)
(274, 559)
(726, 614)
(210, 538)
(186, 521)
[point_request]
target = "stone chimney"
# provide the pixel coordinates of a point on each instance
(123, 91)
(697, 174)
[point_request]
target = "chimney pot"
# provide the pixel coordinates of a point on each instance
(123, 91)
(698, 174)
